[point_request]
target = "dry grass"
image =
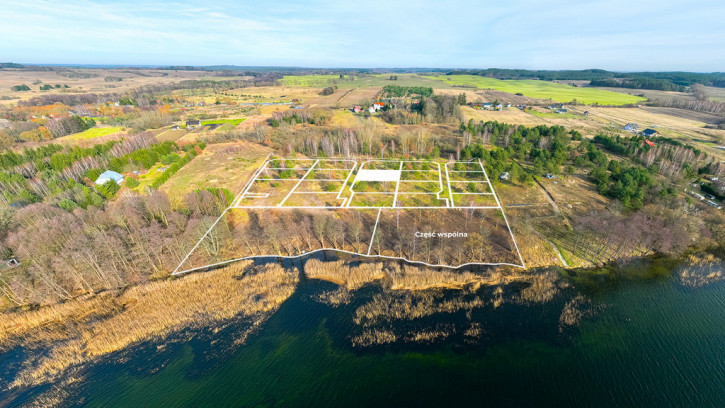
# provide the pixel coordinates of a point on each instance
(98, 84)
(701, 270)
(222, 165)
(341, 273)
(359, 95)
(399, 277)
(543, 288)
(373, 337)
(82, 330)
(383, 309)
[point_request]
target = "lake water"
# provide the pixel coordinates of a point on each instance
(644, 343)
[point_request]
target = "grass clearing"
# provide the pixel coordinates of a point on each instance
(147, 179)
(541, 89)
(114, 320)
(93, 133)
(233, 122)
(361, 82)
(553, 115)
(318, 81)
(222, 165)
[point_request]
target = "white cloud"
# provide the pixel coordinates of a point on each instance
(614, 34)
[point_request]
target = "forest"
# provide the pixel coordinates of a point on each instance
(677, 78)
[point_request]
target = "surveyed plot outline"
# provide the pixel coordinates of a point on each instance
(362, 170)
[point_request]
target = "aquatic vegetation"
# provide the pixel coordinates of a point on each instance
(701, 271)
(82, 330)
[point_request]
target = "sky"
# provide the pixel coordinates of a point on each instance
(621, 35)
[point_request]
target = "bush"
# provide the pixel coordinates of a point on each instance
(132, 182)
(328, 91)
(109, 189)
(170, 158)
(68, 205)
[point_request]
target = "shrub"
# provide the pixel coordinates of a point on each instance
(68, 205)
(132, 182)
(170, 158)
(109, 189)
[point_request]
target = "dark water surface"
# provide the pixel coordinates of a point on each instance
(645, 343)
(650, 344)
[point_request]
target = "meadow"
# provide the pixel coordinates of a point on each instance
(553, 115)
(542, 89)
(362, 81)
(319, 81)
(233, 122)
(93, 133)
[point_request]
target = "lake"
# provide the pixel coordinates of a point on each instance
(644, 342)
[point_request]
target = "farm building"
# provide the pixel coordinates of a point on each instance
(357, 109)
(631, 127)
(193, 123)
(371, 109)
(378, 105)
(109, 175)
(649, 132)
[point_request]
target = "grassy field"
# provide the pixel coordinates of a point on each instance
(553, 115)
(541, 89)
(146, 180)
(233, 122)
(94, 133)
(222, 165)
(365, 81)
(317, 81)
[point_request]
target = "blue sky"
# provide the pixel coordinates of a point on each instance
(561, 34)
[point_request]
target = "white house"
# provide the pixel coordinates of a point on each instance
(109, 175)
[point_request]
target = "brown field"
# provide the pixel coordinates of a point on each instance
(508, 115)
(325, 101)
(689, 130)
(168, 135)
(358, 95)
(685, 114)
(82, 330)
(223, 165)
(279, 93)
(98, 84)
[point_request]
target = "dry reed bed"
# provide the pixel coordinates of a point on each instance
(403, 277)
(385, 309)
(82, 330)
(701, 270)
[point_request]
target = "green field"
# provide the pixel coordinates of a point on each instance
(146, 180)
(93, 133)
(553, 115)
(315, 81)
(361, 81)
(542, 90)
(234, 122)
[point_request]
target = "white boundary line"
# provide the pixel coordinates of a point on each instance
(346, 204)
(450, 191)
(521, 258)
(397, 258)
(297, 185)
(397, 186)
(375, 228)
(250, 183)
(310, 207)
